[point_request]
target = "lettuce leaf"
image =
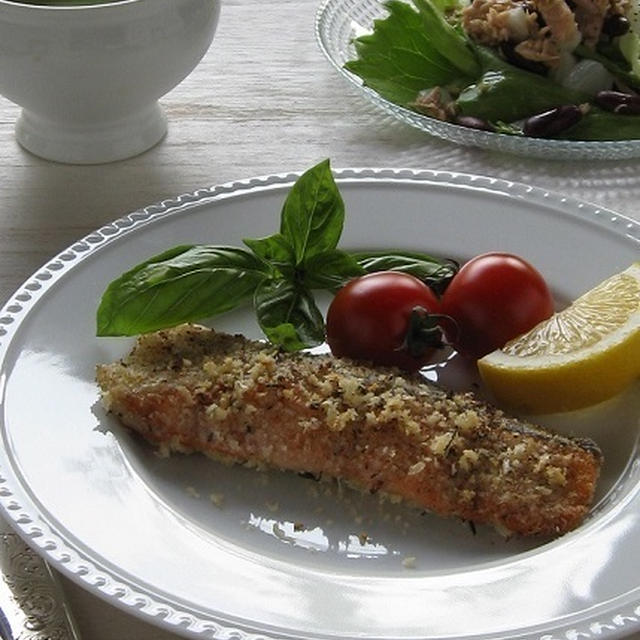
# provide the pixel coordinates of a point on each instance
(604, 125)
(413, 49)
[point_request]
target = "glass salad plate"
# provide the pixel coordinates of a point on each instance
(338, 22)
(211, 551)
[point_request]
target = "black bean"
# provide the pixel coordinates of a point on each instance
(550, 123)
(531, 8)
(508, 50)
(616, 25)
(474, 123)
(628, 109)
(618, 102)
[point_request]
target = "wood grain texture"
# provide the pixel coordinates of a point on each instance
(263, 100)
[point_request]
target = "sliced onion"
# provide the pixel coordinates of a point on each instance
(588, 76)
(518, 24)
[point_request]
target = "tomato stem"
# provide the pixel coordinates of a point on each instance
(424, 333)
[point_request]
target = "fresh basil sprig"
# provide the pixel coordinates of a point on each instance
(277, 273)
(432, 271)
(183, 284)
(288, 315)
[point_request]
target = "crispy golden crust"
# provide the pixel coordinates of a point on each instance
(192, 389)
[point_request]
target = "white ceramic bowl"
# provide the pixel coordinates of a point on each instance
(88, 78)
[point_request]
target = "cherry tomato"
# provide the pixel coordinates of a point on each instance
(494, 298)
(385, 318)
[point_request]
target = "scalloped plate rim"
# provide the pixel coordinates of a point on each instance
(85, 570)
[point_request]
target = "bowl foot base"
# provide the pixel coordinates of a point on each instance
(91, 143)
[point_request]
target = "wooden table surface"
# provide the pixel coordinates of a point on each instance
(263, 100)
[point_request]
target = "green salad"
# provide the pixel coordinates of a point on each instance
(539, 68)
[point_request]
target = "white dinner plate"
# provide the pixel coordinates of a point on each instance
(211, 551)
(338, 22)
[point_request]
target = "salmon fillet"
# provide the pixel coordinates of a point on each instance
(191, 389)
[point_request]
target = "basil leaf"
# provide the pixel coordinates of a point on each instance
(183, 284)
(313, 213)
(432, 271)
(288, 315)
(330, 270)
(413, 262)
(273, 248)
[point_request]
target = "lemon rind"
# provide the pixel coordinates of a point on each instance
(562, 382)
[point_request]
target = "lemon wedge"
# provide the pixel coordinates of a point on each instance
(587, 353)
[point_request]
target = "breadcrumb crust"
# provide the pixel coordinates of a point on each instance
(191, 389)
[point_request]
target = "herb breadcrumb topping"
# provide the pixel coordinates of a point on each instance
(193, 389)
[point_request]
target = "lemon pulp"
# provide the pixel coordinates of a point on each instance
(587, 353)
